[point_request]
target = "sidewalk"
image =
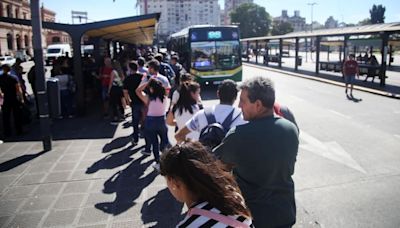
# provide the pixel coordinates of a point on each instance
(93, 177)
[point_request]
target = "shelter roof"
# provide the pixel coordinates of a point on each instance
(355, 30)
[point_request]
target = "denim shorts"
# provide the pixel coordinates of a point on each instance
(349, 79)
(104, 93)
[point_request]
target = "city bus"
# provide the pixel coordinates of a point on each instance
(210, 53)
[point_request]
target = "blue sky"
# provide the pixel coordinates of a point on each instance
(349, 11)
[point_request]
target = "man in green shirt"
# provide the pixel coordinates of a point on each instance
(263, 153)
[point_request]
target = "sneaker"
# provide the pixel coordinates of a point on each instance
(134, 142)
(156, 166)
(114, 122)
(144, 152)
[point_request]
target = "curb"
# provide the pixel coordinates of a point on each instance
(327, 81)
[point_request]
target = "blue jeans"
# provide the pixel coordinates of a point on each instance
(155, 127)
(66, 102)
(136, 115)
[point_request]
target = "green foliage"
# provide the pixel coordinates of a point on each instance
(366, 21)
(252, 19)
(377, 14)
(281, 28)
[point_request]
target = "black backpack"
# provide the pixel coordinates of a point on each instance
(213, 134)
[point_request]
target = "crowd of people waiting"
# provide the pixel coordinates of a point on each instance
(243, 179)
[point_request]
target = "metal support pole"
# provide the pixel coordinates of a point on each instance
(306, 47)
(390, 54)
(384, 52)
(256, 52)
(329, 50)
(43, 104)
(318, 47)
(340, 53)
(247, 51)
(280, 52)
(266, 56)
(345, 48)
(77, 60)
(296, 56)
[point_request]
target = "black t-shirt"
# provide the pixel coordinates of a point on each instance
(8, 85)
(131, 83)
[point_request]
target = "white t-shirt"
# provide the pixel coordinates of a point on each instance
(221, 111)
(181, 120)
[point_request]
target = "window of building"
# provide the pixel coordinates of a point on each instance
(24, 15)
(10, 41)
(1, 10)
(18, 42)
(26, 41)
(9, 11)
(17, 13)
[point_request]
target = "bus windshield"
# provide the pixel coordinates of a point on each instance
(213, 55)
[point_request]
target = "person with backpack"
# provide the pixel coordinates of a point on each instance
(199, 180)
(165, 69)
(262, 154)
(213, 122)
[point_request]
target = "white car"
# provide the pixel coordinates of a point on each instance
(7, 60)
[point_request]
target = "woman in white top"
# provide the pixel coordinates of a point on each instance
(195, 177)
(154, 124)
(185, 107)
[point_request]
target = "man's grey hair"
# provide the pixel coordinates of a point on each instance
(260, 88)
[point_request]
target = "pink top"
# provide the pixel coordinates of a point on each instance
(156, 107)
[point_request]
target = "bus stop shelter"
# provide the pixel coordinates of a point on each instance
(385, 33)
(137, 30)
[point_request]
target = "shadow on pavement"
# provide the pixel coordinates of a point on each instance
(113, 160)
(127, 185)
(90, 126)
(116, 143)
(5, 166)
(170, 215)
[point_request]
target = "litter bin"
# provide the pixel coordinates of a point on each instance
(53, 94)
(299, 60)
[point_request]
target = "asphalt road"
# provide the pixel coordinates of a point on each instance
(348, 166)
(347, 171)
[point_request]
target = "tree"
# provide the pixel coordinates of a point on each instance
(281, 28)
(252, 19)
(366, 21)
(377, 14)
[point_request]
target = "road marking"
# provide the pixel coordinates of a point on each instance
(397, 136)
(340, 114)
(295, 98)
(330, 150)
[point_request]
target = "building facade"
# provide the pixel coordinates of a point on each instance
(298, 23)
(15, 37)
(178, 14)
(231, 5)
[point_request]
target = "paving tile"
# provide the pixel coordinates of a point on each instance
(4, 220)
(9, 207)
(92, 216)
(95, 198)
(94, 226)
(27, 220)
(76, 187)
(84, 165)
(64, 166)
(97, 186)
(70, 201)
(40, 167)
(81, 175)
(48, 189)
(71, 157)
(18, 170)
(127, 224)
(19, 192)
(57, 177)
(31, 179)
(38, 203)
(76, 149)
(60, 218)
(6, 181)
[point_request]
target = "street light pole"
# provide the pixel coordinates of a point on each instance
(312, 24)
